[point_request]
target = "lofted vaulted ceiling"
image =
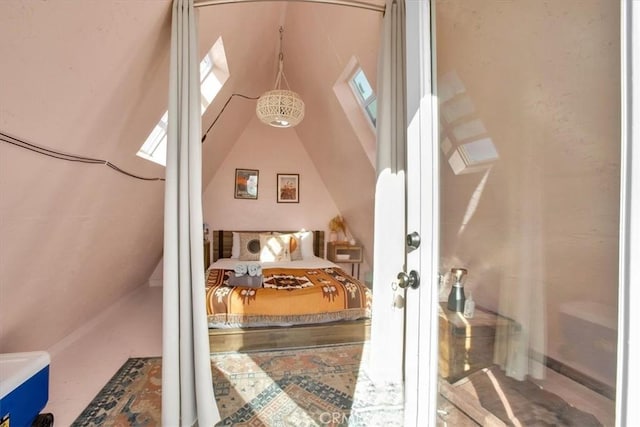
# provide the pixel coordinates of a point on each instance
(91, 78)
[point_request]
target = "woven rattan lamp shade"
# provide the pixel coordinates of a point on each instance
(280, 108)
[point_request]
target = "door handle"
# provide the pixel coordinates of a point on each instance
(413, 240)
(409, 280)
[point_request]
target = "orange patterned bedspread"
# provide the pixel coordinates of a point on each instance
(296, 296)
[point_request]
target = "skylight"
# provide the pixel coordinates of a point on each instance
(213, 73)
(473, 156)
(358, 101)
(479, 151)
(365, 95)
(463, 136)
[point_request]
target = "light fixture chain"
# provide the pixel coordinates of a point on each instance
(280, 63)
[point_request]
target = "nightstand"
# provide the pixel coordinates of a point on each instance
(467, 345)
(344, 253)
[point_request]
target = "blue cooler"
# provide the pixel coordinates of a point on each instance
(24, 389)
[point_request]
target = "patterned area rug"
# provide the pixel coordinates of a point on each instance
(132, 397)
(307, 387)
(323, 386)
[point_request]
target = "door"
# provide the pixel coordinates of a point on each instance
(421, 334)
(423, 183)
(529, 203)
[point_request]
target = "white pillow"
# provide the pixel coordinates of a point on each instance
(306, 243)
(235, 245)
(275, 248)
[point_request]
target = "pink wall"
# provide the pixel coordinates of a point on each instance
(74, 237)
(326, 43)
(271, 151)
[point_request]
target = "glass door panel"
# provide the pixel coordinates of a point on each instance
(529, 118)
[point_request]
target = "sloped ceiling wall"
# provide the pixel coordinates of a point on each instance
(75, 237)
(324, 42)
(90, 78)
(249, 33)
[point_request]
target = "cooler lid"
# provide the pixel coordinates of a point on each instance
(16, 368)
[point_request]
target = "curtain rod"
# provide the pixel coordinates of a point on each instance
(348, 3)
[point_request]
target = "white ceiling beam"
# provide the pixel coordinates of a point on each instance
(348, 3)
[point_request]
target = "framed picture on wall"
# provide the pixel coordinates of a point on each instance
(288, 188)
(246, 185)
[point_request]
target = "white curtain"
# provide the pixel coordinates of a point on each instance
(187, 388)
(519, 349)
(389, 246)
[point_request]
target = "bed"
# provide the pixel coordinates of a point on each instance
(298, 299)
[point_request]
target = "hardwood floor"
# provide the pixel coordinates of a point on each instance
(236, 339)
(450, 415)
(463, 397)
(580, 396)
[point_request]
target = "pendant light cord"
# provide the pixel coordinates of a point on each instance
(280, 62)
(281, 75)
(222, 110)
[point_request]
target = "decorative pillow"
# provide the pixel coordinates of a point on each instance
(275, 248)
(235, 245)
(306, 243)
(295, 247)
(249, 247)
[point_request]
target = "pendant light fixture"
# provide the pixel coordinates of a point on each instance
(281, 108)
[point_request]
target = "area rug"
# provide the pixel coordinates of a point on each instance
(524, 402)
(131, 397)
(321, 386)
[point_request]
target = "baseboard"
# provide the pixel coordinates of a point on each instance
(580, 377)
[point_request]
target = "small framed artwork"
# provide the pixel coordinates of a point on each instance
(288, 188)
(246, 185)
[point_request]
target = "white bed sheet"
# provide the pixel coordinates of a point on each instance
(315, 262)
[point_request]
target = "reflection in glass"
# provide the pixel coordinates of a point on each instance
(529, 203)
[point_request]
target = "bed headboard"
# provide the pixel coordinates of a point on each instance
(222, 240)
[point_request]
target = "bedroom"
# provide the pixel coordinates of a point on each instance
(102, 102)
